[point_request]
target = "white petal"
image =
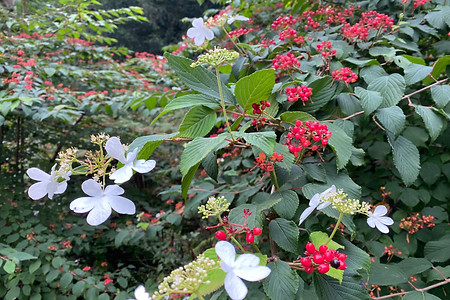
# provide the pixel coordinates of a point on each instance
(62, 186)
(226, 252)
(37, 174)
(314, 200)
(198, 22)
(99, 214)
(305, 214)
(236, 289)
(38, 190)
(122, 175)
(323, 205)
(122, 205)
(114, 190)
(199, 40)
(381, 227)
(92, 188)
(144, 166)
(380, 210)
(386, 220)
(115, 149)
(141, 294)
(83, 204)
(192, 32)
(208, 33)
(131, 156)
(52, 187)
(254, 273)
(246, 260)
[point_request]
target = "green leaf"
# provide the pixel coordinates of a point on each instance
(9, 267)
(34, 266)
(148, 144)
(120, 238)
(197, 122)
(210, 165)
(410, 197)
(438, 250)
(216, 276)
(440, 95)
(288, 205)
(292, 116)
(430, 172)
(65, 280)
(411, 266)
(199, 79)
(21, 256)
(341, 144)
(433, 122)
(282, 283)
(328, 288)
(285, 234)
(383, 51)
(319, 238)
(264, 140)
(322, 93)
(78, 288)
(406, 158)
(391, 87)
(416, 295)
(439, 66)
(415, 73)
(13, 293)
(383, 274)
(187, 179)
(236, 215)
(370, 100)
(50, 71)
(392, 118)
(254, 88)
(357, 259)
(372, 73)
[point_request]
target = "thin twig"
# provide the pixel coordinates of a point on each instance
(424, 89)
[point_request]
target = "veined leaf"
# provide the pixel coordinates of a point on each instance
(285, 234)
(440, 95)
(282, 283)
(292, 116)
(370, 100)
(341, 144)
(322, 93)
(328, 288)
(197, 122)
(264, 140)
(415, 73)
(148, 144)
(391, 87)
(392, 118)
(288, 205)
(254, 88)
(433, 122)
(406, 158)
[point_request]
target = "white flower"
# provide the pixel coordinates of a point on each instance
(199, 32)
(314, 203)
(246, 266)
(237, 18)
(115, 149)
(48, 183)
(100, 202)
(378, 219)
(141, 294)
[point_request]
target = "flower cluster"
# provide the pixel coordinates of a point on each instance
(415, 222)
(307, 136)
(215, 57)
(267, 166)
(187, 279)
(321, 259)
(338, 200)
(301, 92)
(214, 207)
(344, 74)
(285, 62)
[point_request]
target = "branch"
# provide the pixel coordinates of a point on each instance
(424, 89)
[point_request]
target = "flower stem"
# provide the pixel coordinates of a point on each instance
(276, 181)
(222, 102)
(200, 297)
(238, 244)
(335, 228)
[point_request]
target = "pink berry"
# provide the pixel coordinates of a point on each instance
(250, 238)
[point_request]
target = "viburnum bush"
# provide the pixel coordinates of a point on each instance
(342, 195)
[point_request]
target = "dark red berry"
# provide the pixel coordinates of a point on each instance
(220, 235)
(310, 248)
(343, 265)
(323, 249)
(250, 238)
(318, 258)
(323, 268)
(305, 261)
(257, 230)
(335, 263)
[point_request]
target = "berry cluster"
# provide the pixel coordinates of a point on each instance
(290, 33)
(288, 61)
(326, 49)
(370, 21)
(282, 22)
(414, 223)
(267, 166)
(302, 136)
(258, 109)
(344, 74)
(321, 259)
(301, 92)
(420, 2)
(231, 229)
(239, 32)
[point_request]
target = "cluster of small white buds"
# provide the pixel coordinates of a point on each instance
(216, 57)
(214, 207)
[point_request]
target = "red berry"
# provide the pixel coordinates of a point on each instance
(310, 248)
(323, 268)
(318, 258)
(323, 249)
(220, 235)
(257, 230)
(328, 255)
(309, 270)
(342, 256)
(250, 238)
(342, 265)
(305, 261)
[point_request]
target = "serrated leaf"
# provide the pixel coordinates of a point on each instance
(21, 256)
(285, 234)
(440, 95)
(416, 295)
(264, 140)
(236, 215)
(292, 116)
(9, 267)
(13, 293)
(34, 266)
(357, 259)
(120, 237)
(383, 51)
(391, 87)
(187, 179)
(412, 266)
(322, 93)
(371, 73)
(199, 79)
(386, 274)
(433, 122)
(197, 122)
(439, 66)
(406, 158)
(288, 205)
(438, 250)
(392, 118)
(65, 280)
(370, 100)
(254, 88)
(148, 144)
(316, 171)
(415, 73)
(282, 283)
(341, 144)
(78, 288)
(328, 288)
(210, 165)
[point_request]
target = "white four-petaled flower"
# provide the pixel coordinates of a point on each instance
(314, 203)
(237, 18)
(377, 218)
(199, 32)
(115, 149)
(246, 266)
(141, 294)
(48, 183)
(100, 202)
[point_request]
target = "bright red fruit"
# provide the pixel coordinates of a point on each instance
(220, 235)
(318, 258)
(250, 238)
(323, 249)
(257, 230)
(323, 268)
(342, 265)
(305, 261)
(310, 248)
